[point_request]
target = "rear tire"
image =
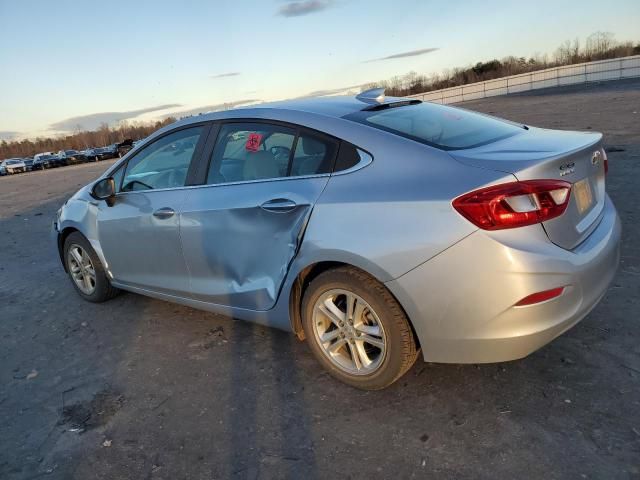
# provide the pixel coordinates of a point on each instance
(85, 270)
(369, 348)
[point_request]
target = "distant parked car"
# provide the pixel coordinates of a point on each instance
(29, 163)
(43, 160)
(110, 151)
(14, 165)
(71, 156)
(3, 170)
(101, 154)
(123, 147)
(105, 153)
(90, 155)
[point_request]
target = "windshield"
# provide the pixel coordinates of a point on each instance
(438, 125)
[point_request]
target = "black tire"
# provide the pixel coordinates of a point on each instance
(103, 289)
(401, 351)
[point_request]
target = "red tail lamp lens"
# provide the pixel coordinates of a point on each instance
(514, 204)
(540, 297)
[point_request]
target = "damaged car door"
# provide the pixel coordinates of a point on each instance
(242, 229)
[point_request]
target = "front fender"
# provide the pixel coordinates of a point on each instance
(78, 214)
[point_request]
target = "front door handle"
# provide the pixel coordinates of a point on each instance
(279, 205)
(165, 212)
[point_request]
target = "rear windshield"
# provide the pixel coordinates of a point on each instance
(438, 125)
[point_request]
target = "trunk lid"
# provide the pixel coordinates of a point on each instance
(538, 154)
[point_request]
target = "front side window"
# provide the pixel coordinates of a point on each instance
(163, 163)
(250, 151)
(117, 177)
(438, 125)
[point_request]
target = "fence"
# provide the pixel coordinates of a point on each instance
(598, 71)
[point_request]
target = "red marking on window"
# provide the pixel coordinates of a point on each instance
(253, 142)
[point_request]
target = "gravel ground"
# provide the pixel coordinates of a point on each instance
(139, 388)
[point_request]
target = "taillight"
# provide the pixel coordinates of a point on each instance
(514, 204)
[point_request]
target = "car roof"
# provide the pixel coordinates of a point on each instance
(326, 114)
(335, 106)
(338, 106)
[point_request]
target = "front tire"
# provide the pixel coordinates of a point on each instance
(356, 329)
(85, 270)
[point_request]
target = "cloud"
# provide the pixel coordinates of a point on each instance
(303, 7)
(8, 134)
(94, 120)
(225, 75)
(411, 53)
(213, 108)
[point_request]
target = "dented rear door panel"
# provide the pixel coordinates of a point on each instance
(239, 239)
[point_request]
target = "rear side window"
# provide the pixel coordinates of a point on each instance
(260, 151)
(313, 155)
(348, 157)
(250, 151)
(438, 125)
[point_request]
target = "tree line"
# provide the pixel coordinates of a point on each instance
(598, 46)
(81, 139)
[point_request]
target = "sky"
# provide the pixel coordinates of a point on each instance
(68, 64)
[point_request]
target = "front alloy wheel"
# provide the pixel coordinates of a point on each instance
(85, 270)
(81, 269)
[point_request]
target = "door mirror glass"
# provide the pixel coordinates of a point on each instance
(104, 189)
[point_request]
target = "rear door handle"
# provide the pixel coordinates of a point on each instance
(279, 205)
(165, 212)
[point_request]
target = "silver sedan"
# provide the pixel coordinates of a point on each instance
(374, 228)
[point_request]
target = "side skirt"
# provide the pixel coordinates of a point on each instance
(269, 318)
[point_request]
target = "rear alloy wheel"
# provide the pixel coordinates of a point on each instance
(356, 329)
(349, 332)
(86, 271)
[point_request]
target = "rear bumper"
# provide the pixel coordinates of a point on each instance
(461, 302)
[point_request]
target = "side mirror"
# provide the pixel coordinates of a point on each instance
(105, 189)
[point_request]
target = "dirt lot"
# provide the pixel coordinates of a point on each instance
(139, 388)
